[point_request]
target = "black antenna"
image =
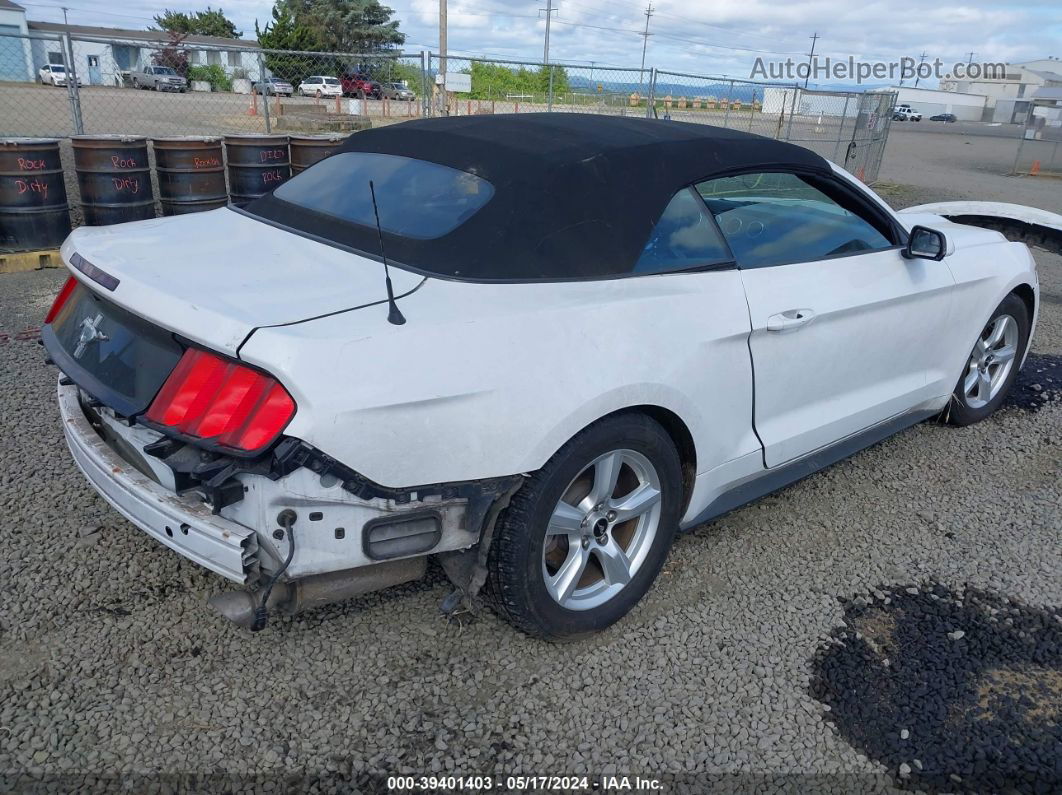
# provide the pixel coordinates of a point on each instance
(394, 315)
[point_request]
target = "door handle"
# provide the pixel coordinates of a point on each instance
(790, 320)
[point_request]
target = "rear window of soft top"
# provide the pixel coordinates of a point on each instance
(416, 198)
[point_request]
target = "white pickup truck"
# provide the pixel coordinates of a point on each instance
(905, 113)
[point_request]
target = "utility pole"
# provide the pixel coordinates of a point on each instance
(65, 22)
(811, 57)
(647, 34)
(645, 42)
(442, 37)
(549, 9)
(969, 59)
(921, 60)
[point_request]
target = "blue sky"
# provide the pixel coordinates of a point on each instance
(717, 37)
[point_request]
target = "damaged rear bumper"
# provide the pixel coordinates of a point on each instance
(184, 524)
(350, 535)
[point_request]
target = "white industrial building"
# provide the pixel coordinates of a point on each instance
(934, 101)
(104, 56)
(1009, 98)
(807, 102)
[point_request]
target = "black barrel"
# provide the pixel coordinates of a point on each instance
(257, 164)
(114, 177)
(191, 172)
(309, 149)
(34, 212)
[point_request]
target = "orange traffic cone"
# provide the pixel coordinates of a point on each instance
(1035, 168)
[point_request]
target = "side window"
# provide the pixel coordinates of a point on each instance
(776, 218)
(684, 237)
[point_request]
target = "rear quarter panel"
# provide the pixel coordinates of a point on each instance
(488, 380)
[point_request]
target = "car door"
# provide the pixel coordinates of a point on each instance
(844, 328)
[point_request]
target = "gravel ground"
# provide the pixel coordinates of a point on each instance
(112, 670)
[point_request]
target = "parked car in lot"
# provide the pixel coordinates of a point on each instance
(397, 91)
(273, 85)
(320, 86)
(357, 84)
(54, 74)
(685, 318)
(944, 117)
(158, 78)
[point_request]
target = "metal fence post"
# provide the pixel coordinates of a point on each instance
(650, 104)
(71, 86)
(549, 99)
(840, 132)
(265, 97)
(729, 94)
(792, 111)
(1021, 141)
(425, 67)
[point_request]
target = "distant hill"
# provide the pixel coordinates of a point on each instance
(716, 88)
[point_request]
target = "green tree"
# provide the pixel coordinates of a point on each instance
(201, 23)
(173, 54)
(284, 33)
(496, 81)
(356, 26)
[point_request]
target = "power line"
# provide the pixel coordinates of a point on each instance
(88, 10)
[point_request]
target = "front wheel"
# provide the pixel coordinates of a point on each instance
(993, 364)
(582, 541)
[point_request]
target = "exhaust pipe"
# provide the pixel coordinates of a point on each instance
(295, 596)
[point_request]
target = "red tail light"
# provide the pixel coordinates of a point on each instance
(221, 401)
(61, 299)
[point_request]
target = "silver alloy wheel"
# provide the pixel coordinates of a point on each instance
(991, 361)
(602, 530)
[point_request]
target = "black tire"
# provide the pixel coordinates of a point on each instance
(517, 581)
(959, 411)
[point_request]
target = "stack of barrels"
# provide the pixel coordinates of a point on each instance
(114, 178)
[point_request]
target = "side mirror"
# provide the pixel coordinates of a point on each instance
(926, 243)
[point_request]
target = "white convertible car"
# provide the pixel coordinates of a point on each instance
(534, 347)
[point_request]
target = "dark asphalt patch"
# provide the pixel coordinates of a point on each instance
(951, 691)
(1038, 383)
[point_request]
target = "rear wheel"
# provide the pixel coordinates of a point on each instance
(993, 364)
(584, 538)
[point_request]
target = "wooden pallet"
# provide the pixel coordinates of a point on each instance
(29, 260)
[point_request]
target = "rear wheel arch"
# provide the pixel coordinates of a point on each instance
(676, 429)
(683, 439)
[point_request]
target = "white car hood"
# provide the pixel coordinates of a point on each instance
(214, 277)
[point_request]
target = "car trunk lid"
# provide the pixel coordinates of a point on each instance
(214, 277)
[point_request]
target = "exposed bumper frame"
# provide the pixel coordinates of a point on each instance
(225, 547)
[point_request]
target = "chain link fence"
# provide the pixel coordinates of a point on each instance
(62, 85)
(1039, 150)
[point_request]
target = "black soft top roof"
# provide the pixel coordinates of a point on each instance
(575, 195)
